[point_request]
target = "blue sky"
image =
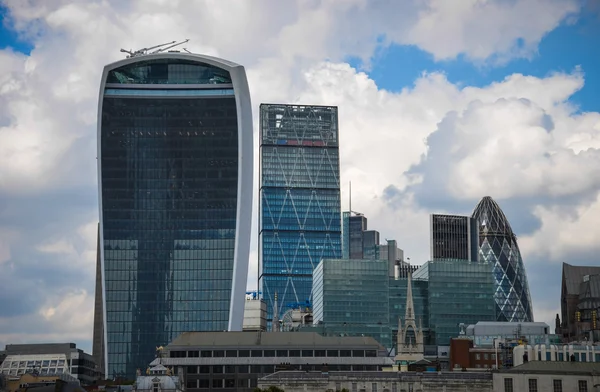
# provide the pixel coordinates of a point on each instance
(437, 123)
(562, 50)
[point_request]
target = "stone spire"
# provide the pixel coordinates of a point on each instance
(410, 310)
(275, 322)
(411, 350)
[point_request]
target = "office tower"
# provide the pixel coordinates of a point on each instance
(459, 292)
(498, 246)
(352, 234)
(175, 178)
(453, 237)
(299, 220)
(370, 245)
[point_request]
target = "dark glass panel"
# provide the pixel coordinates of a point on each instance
(168, 71)
(169, 198)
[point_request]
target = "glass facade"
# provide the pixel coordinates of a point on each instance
(498, 246)
(299, 199)
(453, 237)
(350, 297)
(169, 198)
(459, 292)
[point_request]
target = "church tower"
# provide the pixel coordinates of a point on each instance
(410, 338)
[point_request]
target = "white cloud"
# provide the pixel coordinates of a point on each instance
(484, 29)
(565, 234)
(48, 108)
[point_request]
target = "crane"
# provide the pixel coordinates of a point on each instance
(159, 48)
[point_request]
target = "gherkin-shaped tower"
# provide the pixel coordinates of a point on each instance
(498, 245)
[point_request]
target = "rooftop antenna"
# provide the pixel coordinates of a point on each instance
(159, 48)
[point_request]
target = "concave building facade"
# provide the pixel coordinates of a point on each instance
(175, 181)
(498, 246)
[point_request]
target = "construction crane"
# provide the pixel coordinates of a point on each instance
(159, 49)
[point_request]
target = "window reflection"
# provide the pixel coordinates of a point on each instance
(169, 199)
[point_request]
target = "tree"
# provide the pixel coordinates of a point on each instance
(272, 388)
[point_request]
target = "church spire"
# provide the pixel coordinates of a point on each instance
(410, 310)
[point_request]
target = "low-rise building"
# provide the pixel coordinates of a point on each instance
(549, 376)
(378, 381)
(50, 359)
(39, 383)
(235, 361)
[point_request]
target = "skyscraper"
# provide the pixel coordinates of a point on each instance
(453, 237)
(353, 227)
(498, 245)
(175, 179)
(299, 220)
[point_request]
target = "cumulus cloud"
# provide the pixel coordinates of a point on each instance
(294, 52)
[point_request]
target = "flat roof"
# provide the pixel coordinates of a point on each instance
(556, 367)
(272, 339)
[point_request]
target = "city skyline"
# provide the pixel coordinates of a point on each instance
(432, 117)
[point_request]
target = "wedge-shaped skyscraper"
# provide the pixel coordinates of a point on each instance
(498, 245)
(175, 179)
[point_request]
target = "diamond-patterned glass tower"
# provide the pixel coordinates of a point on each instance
(498, 245)
(300, 219)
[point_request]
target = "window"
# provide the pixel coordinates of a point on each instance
(192, 370)
(477, 357)
(319, 353)
(206, 354)
(354, 387)
(230, 383)
(244, 353)
(508, 384)
(533, 385)
(155, 387)
(582, 386)
(231, 353)
(282, 353)
(203, 383)
(333, 353)
(486, 356)
(394, 387)
(257, 353)
(191, 384)
(294, 353)
(218, 353)
(557, 384)
(307, 353)
(269, 353)
(374, 387)
(204, 369)
(229, 368)
(193, 354)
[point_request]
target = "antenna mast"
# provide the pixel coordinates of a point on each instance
(146, 51)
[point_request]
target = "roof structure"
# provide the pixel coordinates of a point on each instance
(275, 339)
(556, 367)
(572, 276)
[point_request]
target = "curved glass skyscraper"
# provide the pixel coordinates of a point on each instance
(175, 178)
(498, 245)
